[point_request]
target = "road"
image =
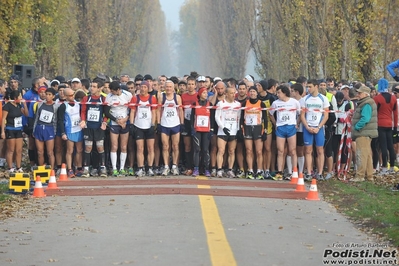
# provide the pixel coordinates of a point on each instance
(173, 229)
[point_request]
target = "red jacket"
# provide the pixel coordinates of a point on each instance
(387, 111)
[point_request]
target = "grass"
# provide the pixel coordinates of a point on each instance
(3, 189)
(372, 207)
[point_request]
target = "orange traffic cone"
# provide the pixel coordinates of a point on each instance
(294, 177)
(300, 186)
(63, 173)
(313, 195)
(52, 183)
(38, 191)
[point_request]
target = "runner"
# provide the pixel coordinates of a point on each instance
(287, 110)
(188, 99)
(313, 119)
(142, 123)
(94, 124)
(201, 121)
(170, 123)
(45, 126)
(297, 91)
(240, 151)
(11, 129)
(253, 119)
(220, 88)
(228, 122)
(118, 112)
(68, 116)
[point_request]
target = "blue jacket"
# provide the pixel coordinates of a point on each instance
(392, 66)
(31, 95)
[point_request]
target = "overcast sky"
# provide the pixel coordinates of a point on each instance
(171, 9)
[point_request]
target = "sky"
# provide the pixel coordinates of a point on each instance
(171, 9)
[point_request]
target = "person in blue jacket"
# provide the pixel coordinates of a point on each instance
(391, 69)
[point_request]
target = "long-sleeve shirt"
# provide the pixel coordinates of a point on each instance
(386, 109)
(366, 114)
(391, 67)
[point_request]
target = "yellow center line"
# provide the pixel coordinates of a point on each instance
(219, 248)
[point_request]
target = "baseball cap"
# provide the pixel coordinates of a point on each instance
(217, 79)
(75, 80)
(201, 78)
(364, 89)
(55, 82)
(345, 87)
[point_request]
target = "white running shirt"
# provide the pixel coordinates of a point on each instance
(119, 108)
(287, 116)
(228, 118)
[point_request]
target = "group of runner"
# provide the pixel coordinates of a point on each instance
(200, 125)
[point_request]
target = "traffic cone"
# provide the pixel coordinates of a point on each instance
(300, 186)
(38, 191)
(52, 183)
(63, 173)
(294, 177)
(313, 195)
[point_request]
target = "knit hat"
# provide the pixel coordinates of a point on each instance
(200, 91)
(145, 83)
(382, 85)
(252, 88)
(264, 84)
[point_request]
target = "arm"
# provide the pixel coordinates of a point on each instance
(24, 109)
(212, 116)
(264, 115)
(218, 116)
(365, 117)
(242, 114)
(132, 110)
(395, 111)
(181, 113)
(154, 111)
(3, 124)
(391, 68)
(107, 112)
(60, 116)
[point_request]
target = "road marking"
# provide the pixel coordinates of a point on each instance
(219, 248)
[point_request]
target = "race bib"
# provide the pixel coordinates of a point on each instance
(46, 116)
(202, 121)
(231, 121)
(18, 121)
(251, 119)
(170, 111)
(284, 116)
(187, 113)
(75, 121)
(313, 118)
(93, 115)
(144, 113)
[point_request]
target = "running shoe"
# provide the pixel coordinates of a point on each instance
(94, 172)
(103, 171)
(79, 173)
(230, 174)
(259, 175)
(288, 177)
(58, 172)
(166, 171)
(188, 172)
(250, 175)
(219, 174)
(329, 175)
(86, 172)
(130, 171)
(20, 170)
(266, 175)
(319, 177)
(175, 171)
(11, 170)
(307, 177)
(140, 172)
(395, 188)
(278, 177)
(115, 172)
(122, 172)
(240, 174)
(213, 174)
(71, 174)
(150, 172)
(195, 172)
(208, 174)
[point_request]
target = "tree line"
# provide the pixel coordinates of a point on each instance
(82, 37)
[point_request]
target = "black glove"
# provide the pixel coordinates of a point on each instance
(226, 131)
(182, 128)
(210, 135)
(264, 136)
(240, 135)
(192, 131)
(396, 78)
(159, 128)
(395, 132)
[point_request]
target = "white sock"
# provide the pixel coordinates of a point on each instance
(301, 163)
(114, 157)
(122, 158)
(289, 164)
(174, 166)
